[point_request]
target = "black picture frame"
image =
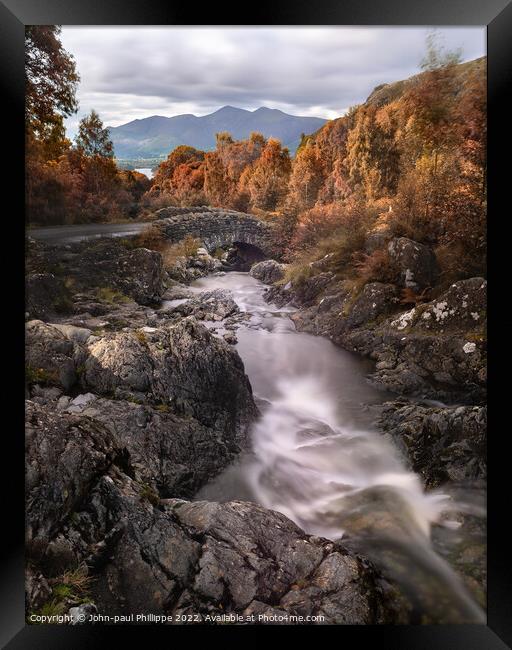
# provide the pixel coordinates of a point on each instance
(14, 15)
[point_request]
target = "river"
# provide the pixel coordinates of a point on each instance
(317, 457)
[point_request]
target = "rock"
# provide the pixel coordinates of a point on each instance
(64, 454)
(435, 350)
(50, 357)
(375, 241)
(303, 293)
(37, 589)
(230, 338)
(374, 300)
(462, 307)
(268, 271)
(86, 505)
(208, 305)
(45, 294)
(76, 334)
(441, 443)
(83, 400)
(417, 263)
(181, 365)
(82, 614)
(261, 561)
(173, 455)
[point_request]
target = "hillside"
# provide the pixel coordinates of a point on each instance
(156, 136)
(385, 94)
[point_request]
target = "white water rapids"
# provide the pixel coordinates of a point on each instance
(317, 457)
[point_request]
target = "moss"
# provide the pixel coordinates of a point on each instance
(163, 408)
(148, 494)
(80, 370)
(141, 337)
(41, 375)
(54, 607)
(62, 591)
(107, 294)
(63, 305)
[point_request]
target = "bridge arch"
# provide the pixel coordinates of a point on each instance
(216, 228)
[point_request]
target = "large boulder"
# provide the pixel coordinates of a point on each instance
(137, 273)
(417, 263)
(373, 301)
(173, 455)
(214, 305)
(181, 365)
(268, 271)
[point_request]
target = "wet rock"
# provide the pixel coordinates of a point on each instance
(217, 304)
(268, 271)
(441, 443)
(417, 263)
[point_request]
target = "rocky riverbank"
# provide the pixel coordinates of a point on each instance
(134, 400)
(431, 354)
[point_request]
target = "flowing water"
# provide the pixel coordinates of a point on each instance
(317, 457)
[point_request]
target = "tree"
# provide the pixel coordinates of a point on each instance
(93, 139)
(267, 178)
(432, 99)
(307, 177)
(51, 81)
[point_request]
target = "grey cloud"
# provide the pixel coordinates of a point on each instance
(137, 72)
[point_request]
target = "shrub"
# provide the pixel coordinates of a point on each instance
(376, 267)
(184, 248)
(41, 376)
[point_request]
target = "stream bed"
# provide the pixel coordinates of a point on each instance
(317, 457)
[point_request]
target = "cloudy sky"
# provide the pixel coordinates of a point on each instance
(134, 72)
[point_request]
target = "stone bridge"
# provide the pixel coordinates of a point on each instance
(216, 228)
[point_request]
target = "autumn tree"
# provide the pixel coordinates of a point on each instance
(431, 101)
(267, 180)
(50, 88)
(306, 178)
(50, 95)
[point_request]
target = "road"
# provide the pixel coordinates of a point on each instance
(68, 234)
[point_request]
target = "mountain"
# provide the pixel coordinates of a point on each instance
(156, 136)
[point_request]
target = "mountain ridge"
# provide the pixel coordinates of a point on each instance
(157, 135)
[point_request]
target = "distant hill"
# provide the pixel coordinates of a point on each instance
(156, 136)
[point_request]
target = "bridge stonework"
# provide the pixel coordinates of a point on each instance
(216, 227)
